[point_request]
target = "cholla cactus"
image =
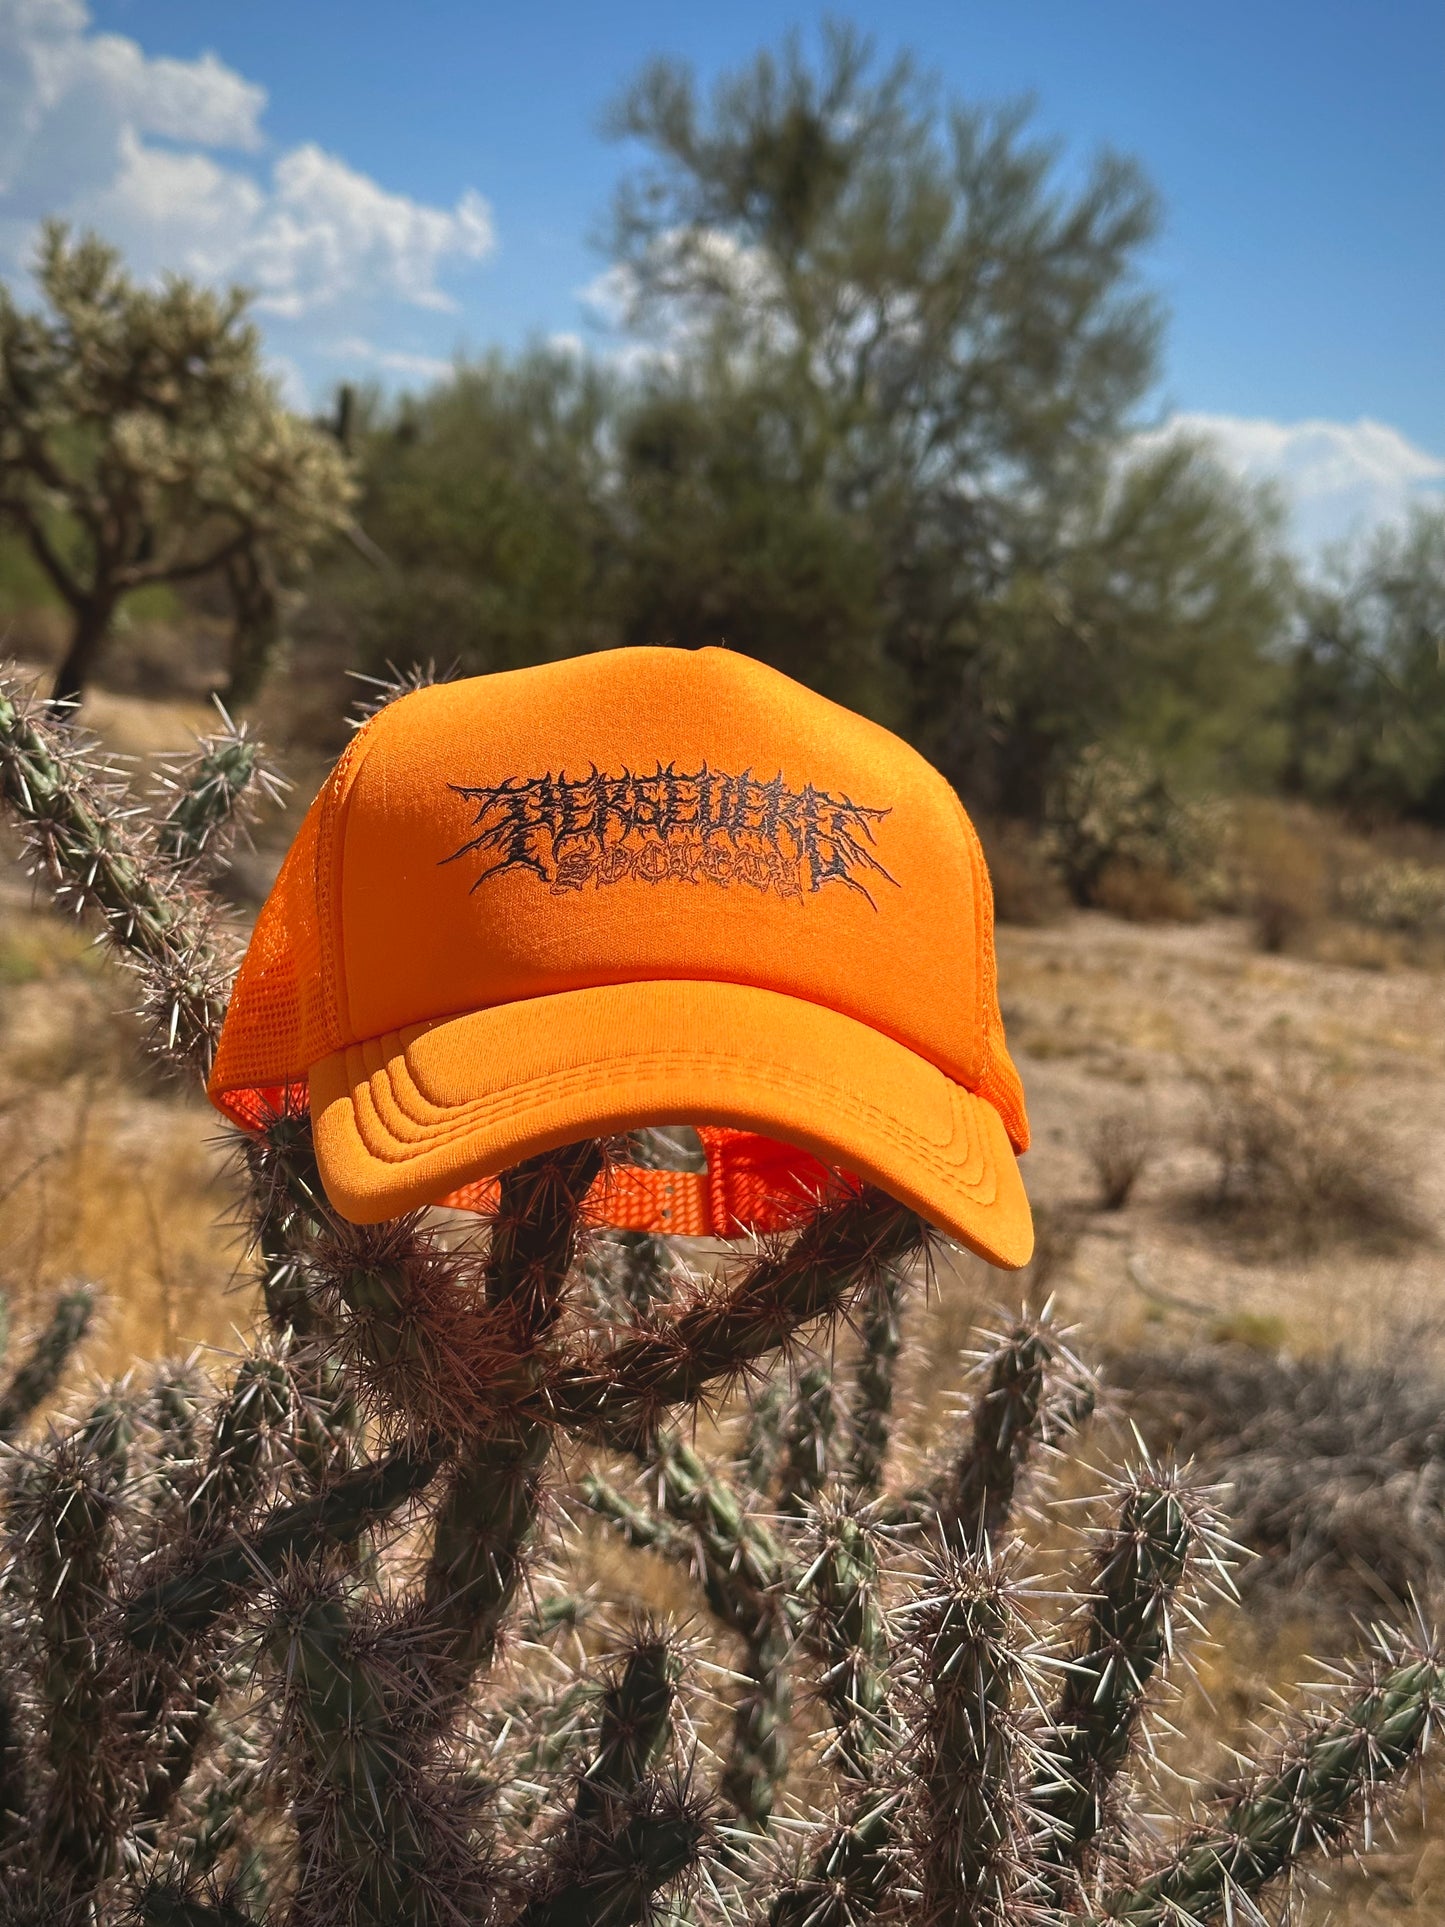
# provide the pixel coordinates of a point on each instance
(288, 1648)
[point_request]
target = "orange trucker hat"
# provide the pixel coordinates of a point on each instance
(638, 887)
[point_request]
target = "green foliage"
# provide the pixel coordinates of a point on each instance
(488, 500)
(141, 444)
(874, 427)
(253, 1658)
(1364, 705)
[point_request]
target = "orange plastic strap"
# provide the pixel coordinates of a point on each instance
(752, 1184)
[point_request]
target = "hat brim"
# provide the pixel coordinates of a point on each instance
(407, 1118)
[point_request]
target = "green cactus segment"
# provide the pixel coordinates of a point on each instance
(175, 1612)
(630, 1272)
(1310, 1802)
(755, 1768)
(849, 1629)
(167, 1906)
(64, 1517)
(973, 1831)
(482, 1525)
(636, 1725)
(628, 1834)
(534, 1233)
(840, 1251)
(763, 1451)
(871, 1410)
(383, 1828)
(707, 1525)
(642, 1528)
(1128, 1636)
(980, 1494)
(743, 1571)
(57, 788)
(808, 1441)
(252, 1417)
(653, 1847)
(209, 796)
(45, 1363)
(291, 1217)
(490, 1507)
(851, 1872)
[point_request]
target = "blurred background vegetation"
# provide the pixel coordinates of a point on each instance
(877, 422)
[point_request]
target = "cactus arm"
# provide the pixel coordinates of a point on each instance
(764, 1447)
(636, 1724)
(63, 1519)
(627, 1835)
(978, 1497)
(850, 1873)
(642, 1528)
(742, 1568)
(384, 1833)
(162, 1905)
(974, 1827)
(210, 797)
(808, 1441)
(488, 1511)
(870, 1411)
(848, 1628)
(181, 1609)
(656, 1845)
(838, 1252)
(1310, 1801)
(1127, 1636)
(72, 808)
(49, 1354)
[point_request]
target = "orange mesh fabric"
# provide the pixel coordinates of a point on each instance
(752, 1185)
(283, 1014)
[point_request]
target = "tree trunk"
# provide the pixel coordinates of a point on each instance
(92, 625)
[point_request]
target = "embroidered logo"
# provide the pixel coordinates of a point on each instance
(695, 827)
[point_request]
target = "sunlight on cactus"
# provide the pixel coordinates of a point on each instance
(311, 1641)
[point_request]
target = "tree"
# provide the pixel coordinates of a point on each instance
(490, 499)
(141, 442)
(1364, 704)
(896, 369)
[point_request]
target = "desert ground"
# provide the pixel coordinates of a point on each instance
(1146, 1036)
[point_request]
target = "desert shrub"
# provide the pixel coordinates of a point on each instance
(1335, 1470)
(1027, 887)
(254, 1633)
(1403, 894)
(1140, 893)
(1115, 824)
(1119, 1144)
(1296, 1166)
(1281, 874)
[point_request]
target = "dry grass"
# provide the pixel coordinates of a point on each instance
(1337, 1468)
(1144, 893)
(1297, 1166)
(1027, 887)
(1120, 1145)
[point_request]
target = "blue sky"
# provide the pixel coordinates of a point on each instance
(405, 183)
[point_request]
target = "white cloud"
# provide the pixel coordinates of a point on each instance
(393, 361)
(1339, 479)
(151, 151)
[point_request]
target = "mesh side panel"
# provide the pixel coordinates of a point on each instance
(284, 1014)
(280, 1019)
(1000, 1084)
